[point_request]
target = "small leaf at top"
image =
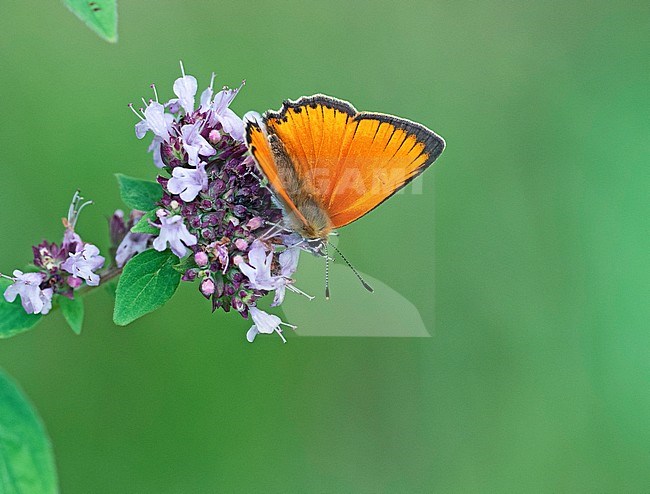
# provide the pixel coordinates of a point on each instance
(73, 312)
(139, 194)
(13, 318)
(144, 225)
(26, 459)
(98, 15)
(147, 282)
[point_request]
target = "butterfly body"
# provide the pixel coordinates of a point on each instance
(329, 164)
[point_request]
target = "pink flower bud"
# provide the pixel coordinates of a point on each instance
(254, 223)
(201, 259)
(241, 244)
(214, 136)
(237, 260)
(74, 282)
(207, 287)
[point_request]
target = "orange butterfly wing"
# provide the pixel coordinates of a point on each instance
(258, 143)
(350, 161)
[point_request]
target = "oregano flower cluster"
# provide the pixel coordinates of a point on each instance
(58, 269)
(209, 219)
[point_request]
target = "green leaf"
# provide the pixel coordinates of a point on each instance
(98, 15)
(111, 287)
(185, 264)
(147, 282)
(13, 318)
(143, 225)
(139, 194)
(26, 460)
(73, 312)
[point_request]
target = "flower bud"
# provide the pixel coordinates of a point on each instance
(189, 275)
(117, 227)
(241, 244)
(254, 223)
(214, 136)
(240, 210)
(207, 287)
(74, 282)
(201, 259)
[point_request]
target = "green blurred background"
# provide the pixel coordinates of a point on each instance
(526, 253)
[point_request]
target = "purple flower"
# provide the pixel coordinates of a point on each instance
(185, 88)
(206, 96)
(174, 232)
(194, 143)
(33, 299)
(132, 244)
(265, 323)
(215, 202)
(155, 146)
(258, 268)
(160, 123)
(155, 120)
(188, 182)
(288, 263)
(117, 227)
(82, 264)
(71, 241)
(229, 120)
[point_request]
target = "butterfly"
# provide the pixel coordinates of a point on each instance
(329, 164)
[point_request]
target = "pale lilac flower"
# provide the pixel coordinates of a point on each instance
(82, 264)
(288, 263)
(229, 120)
(188, 182)
(173, 232)
(195, 144)
(157, 152)
(206, 96)
(71, 240)
(33, 299)
(258, 268)
(155, 120)
(265, 323)
(132, 244)
(185, 88)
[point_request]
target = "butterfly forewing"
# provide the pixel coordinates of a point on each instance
(348, 162)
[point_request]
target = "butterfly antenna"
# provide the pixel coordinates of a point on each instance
(327, 273)
(365, 285)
